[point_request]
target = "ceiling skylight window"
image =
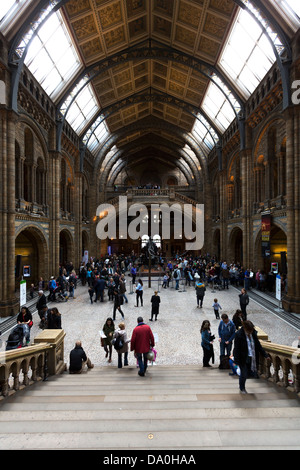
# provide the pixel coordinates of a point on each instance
(97, 138)
(204, 134)
(248, 55)
(82, 109)
(52, 57)
(218, 108)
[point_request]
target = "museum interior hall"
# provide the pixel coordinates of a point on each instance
(162, 102)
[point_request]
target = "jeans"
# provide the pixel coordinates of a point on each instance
(139, 295)
(120, 359)
(142, 361)
(225, 349)
(26, 332)
(199, 300)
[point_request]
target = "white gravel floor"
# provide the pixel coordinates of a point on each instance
(177, 329)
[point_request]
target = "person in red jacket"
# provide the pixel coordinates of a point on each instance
(142, 340)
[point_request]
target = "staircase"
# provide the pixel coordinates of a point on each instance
(171, 408)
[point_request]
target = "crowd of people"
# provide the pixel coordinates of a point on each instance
(105, 279)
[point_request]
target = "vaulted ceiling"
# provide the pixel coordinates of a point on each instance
(102, 29)
(150, 63)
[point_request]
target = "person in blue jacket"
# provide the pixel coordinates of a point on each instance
(226, 333)
(207, 343)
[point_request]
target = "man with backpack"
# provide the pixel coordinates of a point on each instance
(176, 276)
(200, 292)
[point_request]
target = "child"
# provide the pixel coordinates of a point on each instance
(216, 307)
(165, 281)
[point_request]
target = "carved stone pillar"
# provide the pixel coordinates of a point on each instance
(8, 302)
(291, 301)
(78, 218)
(54, 205)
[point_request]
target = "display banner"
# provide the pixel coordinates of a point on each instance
(22, 293)
(266, 235)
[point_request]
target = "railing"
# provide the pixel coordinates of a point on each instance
(284, 367)
(22, 367)
(163, 193)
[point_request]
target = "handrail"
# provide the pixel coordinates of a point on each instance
(46, 357)
(284, 367)
(24, 366)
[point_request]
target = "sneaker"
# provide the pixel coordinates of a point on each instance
(243, 391)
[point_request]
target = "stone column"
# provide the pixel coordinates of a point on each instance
(247, 192)
(291, 301)
(8, 301)
(78, 218)
(54, 205)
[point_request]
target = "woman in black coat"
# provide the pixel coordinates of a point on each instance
(155, 301)
(247, 349)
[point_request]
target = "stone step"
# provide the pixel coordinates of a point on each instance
(152, 425)
(116, 413)
(170, 408)
(229, 403)
(147, 441)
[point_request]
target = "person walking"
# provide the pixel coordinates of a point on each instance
(133, 274)
(139, 293)
(41, 307)
(122, 287)
(124, 349)
(142, 340)
(118, 301)
(244, 301)
(200, 292)
(177, 277)
(216, 306)
(226, 331)
(108, 330)
(155, 301)
(247, 349)
(207, 343)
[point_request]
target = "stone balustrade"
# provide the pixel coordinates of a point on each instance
(21, 367)
(284, 367)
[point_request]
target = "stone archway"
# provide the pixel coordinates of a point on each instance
(235, 246)
(278, 251)
(31, 249)
(66, 247)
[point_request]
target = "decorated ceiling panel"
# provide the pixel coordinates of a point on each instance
(102, 28)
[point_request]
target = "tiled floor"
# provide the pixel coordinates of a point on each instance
(177, 329)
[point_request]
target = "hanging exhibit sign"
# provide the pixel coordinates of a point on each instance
(266, 235)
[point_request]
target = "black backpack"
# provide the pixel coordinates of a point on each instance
(118, 343)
